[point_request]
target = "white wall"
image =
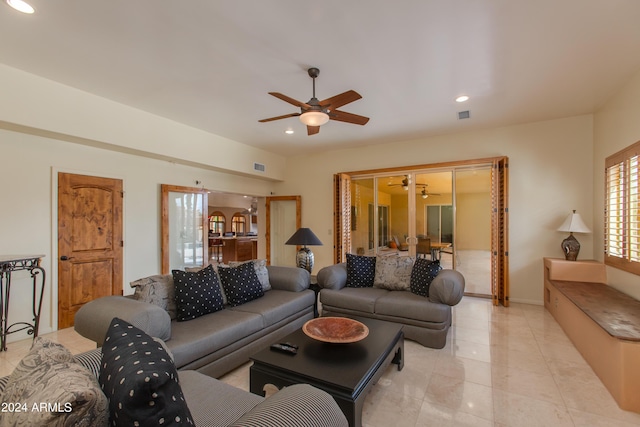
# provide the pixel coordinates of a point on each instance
(550, 173)
(29, 198)
(616, 126)
(36, 103)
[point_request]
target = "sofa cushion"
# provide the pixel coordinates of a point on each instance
(295, 405)
(260, 265)
(62, 382)
(276, 305)
(202, 336)
(359, 299)
(197, 293)
(229, 402)
(423, 273)
(407, 305)
(140, 380)
(157, 290)
(393, 272)
(361, 271)
(240, 283)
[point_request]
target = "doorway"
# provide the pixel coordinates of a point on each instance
(90, 244)
(283, 218)
(456, 217)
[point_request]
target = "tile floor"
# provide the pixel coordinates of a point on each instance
(501, 367)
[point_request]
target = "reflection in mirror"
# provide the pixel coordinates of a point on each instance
(184, 225)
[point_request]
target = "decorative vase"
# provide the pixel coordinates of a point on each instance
(304, 259)
(571, 247)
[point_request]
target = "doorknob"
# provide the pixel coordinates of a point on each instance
(65, 258)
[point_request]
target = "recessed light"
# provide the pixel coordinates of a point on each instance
(21, 6)
(289, 131)
(462, 98)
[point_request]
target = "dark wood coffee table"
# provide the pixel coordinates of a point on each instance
(345, 371)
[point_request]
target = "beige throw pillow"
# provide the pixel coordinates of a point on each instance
(158, 290)
(52, 389)
(393, 273)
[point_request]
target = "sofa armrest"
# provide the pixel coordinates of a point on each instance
(447, 288)
(297, 405)
(93, 318)
(333, 276)
(291, 279)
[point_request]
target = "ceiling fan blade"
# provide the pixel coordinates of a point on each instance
(343, 116)
(291, 101)
(312, 130)
(270, 119)
(339, 100)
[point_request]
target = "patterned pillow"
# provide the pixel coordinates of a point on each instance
(140, 380)
(361, 271)
(215, 270)
(197, 293)
(49, 375)
(240, 283)
(423, 273)
(393, 272)
(157, 290)
(260, 266)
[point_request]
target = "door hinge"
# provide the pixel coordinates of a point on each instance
(121, 243)
(122, 194)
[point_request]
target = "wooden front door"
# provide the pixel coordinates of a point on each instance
(89, 242)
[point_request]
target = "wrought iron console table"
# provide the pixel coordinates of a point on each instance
(9, 264)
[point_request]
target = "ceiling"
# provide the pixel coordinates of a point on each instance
(210, 64)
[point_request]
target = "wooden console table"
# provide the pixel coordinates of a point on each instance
(9, 264)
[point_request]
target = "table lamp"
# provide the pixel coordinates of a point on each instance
(570, 245)
(304, 237)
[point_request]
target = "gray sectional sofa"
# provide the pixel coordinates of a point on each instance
(48, 375)
(218, 342)
(425, 318)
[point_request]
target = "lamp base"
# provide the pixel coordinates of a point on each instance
(571, 248)
(304, 259)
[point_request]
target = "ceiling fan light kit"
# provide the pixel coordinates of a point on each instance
(316, 113)
(314, 118)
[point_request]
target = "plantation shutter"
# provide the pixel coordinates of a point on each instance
(342, 216)
(499, 232)
(622, 210)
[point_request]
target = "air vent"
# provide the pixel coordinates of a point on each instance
(463, 115)
(259, 167)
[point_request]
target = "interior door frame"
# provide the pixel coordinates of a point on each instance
(499, 224)
(268, 200)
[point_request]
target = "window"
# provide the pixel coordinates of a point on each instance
(622, 210)
(216, 222)
(237, 224)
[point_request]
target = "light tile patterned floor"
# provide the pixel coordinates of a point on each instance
(501, 367)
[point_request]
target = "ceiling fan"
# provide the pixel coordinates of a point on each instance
(424, 193)
(404, 183)
(315, 113)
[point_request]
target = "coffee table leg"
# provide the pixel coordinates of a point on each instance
(398, 359)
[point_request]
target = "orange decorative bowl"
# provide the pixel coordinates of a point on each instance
(337, 330)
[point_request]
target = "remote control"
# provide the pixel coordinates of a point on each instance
(284, 348)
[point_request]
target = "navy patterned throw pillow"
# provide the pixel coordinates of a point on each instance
(422, 274)
(197, 293)
(361, 271)
(140, 380)
(240, 283)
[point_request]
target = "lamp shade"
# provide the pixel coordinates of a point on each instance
(304, 236)
(574, 224)
(314, 118)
